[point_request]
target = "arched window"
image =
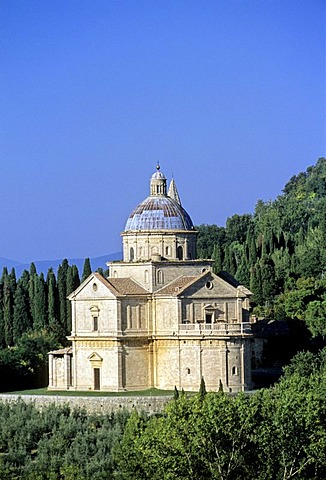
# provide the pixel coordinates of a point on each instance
(180, 253)
(159, 276)
(95, 313)
(146, 276)
(167, 250)
(131, 254)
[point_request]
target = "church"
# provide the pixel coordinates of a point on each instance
(162, 319)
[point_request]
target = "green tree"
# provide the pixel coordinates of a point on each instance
(72, 283)
(9, 287)
(62, 294)
(21, 317)
(39, 302)
(217, 256)
(53, 312)
(315, 318)
(87, 270)
(202, 389)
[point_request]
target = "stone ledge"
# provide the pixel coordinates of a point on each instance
(94, 404)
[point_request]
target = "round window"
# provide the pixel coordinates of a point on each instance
(94, 287)
(209, 285)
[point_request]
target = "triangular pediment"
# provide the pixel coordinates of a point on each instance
(95, 286)
(209, 285)
(95, 357)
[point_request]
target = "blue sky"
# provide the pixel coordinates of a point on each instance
(229, 97)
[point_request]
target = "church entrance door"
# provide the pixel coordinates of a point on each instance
(97, 384)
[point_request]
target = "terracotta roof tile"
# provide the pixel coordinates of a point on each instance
(127, 286)
(61, 351)
(177, 286)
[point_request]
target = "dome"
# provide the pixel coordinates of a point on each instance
(159, 213)
(158, 176)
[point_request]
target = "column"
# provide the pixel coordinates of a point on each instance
(50, 370)
(67, 369)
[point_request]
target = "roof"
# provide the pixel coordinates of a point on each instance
(177, 286)
(117, 286)
(159, 213)
(61, 351)
(126, 286)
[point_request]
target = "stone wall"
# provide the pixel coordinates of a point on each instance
(94, 404)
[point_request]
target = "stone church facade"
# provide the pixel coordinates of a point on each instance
(162, 318)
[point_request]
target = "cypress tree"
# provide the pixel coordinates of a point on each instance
(32, 273)
(202, 389)
(87, 270)
(251, 245)
(53, 302)
(217, 257)
(8, 304)
(73, 282)
(175, 393)
(62, 293)
(256, 285)
(21, 317)
(39, 303)
(2, 326)
(268, 282)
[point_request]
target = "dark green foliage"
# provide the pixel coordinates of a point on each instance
(24, 365)
(22, 321)
(62, 293)
(53, 311)
(9, 286)
(32, 308)
(209, 235)
(277, 433)
(39, 302)
(87, 270)
(283, 242)
(72, 283)
(175, 393)
(57, 442)
(202, 389)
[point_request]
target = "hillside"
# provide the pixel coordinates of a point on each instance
(279, 252)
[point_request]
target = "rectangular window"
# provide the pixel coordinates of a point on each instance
(95, 324)
(208, 318)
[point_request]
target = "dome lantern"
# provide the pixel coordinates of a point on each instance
(159, 226)
(158, 182)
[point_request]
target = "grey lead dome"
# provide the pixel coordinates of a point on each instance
(159, 211)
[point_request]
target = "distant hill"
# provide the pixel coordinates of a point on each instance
(44, 265)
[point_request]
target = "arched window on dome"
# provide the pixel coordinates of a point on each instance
(180, 252)
(140, 251)
(146, 278)
(131, 254)
(167, 250)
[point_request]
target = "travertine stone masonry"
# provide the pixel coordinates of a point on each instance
(94, 404)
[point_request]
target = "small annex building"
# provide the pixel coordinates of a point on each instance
(162, 318)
